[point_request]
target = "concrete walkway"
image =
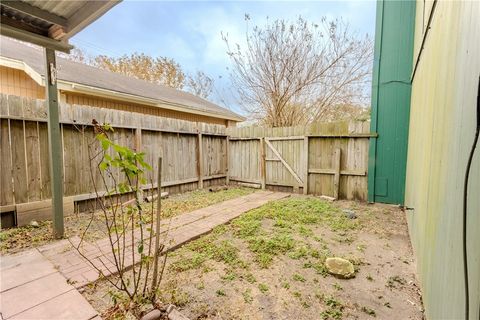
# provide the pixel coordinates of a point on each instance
(31, 288)
(37, 284)
(177, 231)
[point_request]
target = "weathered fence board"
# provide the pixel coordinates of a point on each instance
(304, 158)
(321, 159)
(25, 173)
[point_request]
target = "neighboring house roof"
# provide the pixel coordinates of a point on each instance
(78, 77)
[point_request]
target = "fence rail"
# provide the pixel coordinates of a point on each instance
(323, 159)
(193, 153)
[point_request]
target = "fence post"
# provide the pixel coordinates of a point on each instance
(336, 177)
(262, 163)
(200, 161)
(305, 164)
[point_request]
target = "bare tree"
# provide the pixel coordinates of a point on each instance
(293, 73)
(200, 84)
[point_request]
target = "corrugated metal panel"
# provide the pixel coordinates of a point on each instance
(391, 100)
(442, 123)
(29, 20)
(64, 9)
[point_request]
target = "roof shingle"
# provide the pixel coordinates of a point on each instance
(87, 75)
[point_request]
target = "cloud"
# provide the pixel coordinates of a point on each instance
(190, 32)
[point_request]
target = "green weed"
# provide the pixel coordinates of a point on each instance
(247, 296)
(334, 310)
(369, 311)
(263, 287)
(299, 277)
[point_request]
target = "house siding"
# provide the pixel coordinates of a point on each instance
(441, 131)
(17, 82)
(74, 98)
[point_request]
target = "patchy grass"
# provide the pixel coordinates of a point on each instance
(18, 239)
(334, 308)
(269, 263)
(263, 287)
(369, 311)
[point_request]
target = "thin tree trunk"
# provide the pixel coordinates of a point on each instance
(157, 230)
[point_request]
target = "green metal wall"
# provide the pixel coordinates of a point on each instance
(394, 40)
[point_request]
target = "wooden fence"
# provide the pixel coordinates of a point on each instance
(322, 159)
(194, 154)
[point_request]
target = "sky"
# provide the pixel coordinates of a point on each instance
(190, 32)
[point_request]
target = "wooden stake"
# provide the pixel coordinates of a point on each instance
(157, 225)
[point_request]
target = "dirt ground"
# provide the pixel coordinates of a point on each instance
(18, 239)
(269, 264)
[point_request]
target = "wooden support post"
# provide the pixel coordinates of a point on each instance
(227, 178)
(336, 178)
(200, 161)
(263, 169)
(305, 164)
(54, 142)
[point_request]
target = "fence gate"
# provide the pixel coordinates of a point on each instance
(284, 161)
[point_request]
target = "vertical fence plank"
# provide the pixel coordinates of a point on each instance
(18, 161)
(305, 165)
(32, 159)
(336, 178)
(227, 157)
(200, 161)
(262, 162)
(6, 196)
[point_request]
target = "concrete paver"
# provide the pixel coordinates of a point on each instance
(67, 306)
(178, 230)
(30, 264)
(31, 288)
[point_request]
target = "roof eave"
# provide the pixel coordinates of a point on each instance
(106, 93)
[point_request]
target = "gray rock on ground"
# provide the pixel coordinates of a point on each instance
(350, 214)
(34, 224)
(155, 314)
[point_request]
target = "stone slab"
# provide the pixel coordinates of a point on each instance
(21, 268)
(71, 305)
(31, 294)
